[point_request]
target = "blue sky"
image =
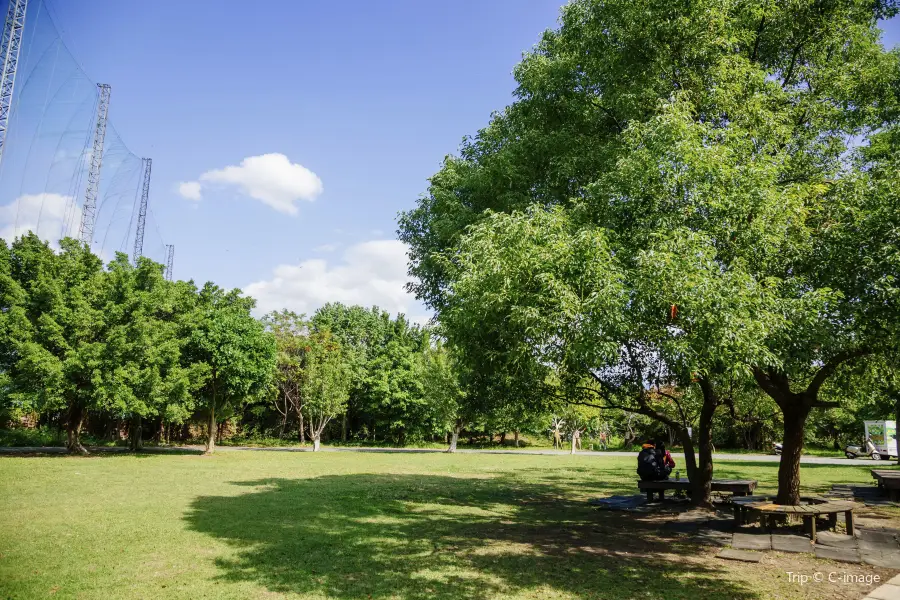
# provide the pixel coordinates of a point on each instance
(367, 96)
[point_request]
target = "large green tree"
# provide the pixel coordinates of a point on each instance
(55, 330)
(142, 374)
(703, 152)
(230, 351)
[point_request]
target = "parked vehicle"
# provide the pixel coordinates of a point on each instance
(777, 448)
(867, 449)
(884, 437)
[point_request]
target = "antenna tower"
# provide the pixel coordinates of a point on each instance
(142, 212)
(89, 210)
(10, 44)
(170, 259)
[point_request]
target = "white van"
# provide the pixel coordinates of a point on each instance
(884, 437)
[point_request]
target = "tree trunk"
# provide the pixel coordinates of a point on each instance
(690, 460)
(574, 441)
(136, 434)
(302, 430)
(795, 415)
(211, 429)
(516, 434)
(629, 437)
(702, 480)
(454, 438)
(344, 428)
(73, 430)
(316, 442)
(503, 438)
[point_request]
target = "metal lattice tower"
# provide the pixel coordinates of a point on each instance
(142, 212)
(89, 210)
(10, 45)
(170, 260)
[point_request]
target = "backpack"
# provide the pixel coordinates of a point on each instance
(648, 466)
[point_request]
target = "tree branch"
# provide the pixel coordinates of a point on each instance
(790, 72)
(759, 30)
(766, 380)
(831, 366)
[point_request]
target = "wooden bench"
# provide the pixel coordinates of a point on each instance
(888, 480)
(764, 509)
(737, 487)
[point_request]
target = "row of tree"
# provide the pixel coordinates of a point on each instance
(688, 208)
(78, 337)
(119, 346)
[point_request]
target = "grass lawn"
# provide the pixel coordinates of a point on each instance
(245, 524)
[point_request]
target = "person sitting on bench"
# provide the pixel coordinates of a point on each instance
(664, 456)
(649, 468)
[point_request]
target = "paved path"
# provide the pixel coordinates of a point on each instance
(717, 457)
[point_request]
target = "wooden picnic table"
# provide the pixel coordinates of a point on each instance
(737, 487)
(888, 480)
(767, 512)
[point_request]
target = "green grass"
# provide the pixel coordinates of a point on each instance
(356, 525)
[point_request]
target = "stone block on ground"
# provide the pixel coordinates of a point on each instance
(712, 537)
(876, 535)
(741, 555)
(619, 502)
(886, 546)
(751, 541)
(895, 580)
(885, 592)
(791, 543)
(836, 540)
(881, 559)
(848, 555)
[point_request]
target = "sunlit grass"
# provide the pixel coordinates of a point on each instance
(351, 525)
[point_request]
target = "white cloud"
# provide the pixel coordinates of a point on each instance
(270, 178)
(370, 273)
(45, 214)
(327, 247)
(190, 190)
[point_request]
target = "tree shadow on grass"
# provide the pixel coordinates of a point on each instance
(435, 537)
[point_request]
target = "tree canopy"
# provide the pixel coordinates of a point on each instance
(677, 196)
